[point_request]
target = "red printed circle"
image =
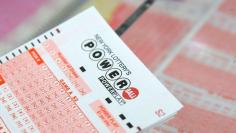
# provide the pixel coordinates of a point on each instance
(130, 93)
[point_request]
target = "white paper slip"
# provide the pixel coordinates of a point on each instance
(80, 77)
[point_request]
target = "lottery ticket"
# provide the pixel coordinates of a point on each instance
(80, 77)
(172, 21)
(195, 76)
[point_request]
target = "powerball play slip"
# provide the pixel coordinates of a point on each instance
(80, 77)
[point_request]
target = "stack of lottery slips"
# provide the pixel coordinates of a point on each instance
(80, 77)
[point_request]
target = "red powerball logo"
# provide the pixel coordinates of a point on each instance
(130, 93)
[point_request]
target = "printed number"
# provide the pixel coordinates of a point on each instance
(160, 113)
